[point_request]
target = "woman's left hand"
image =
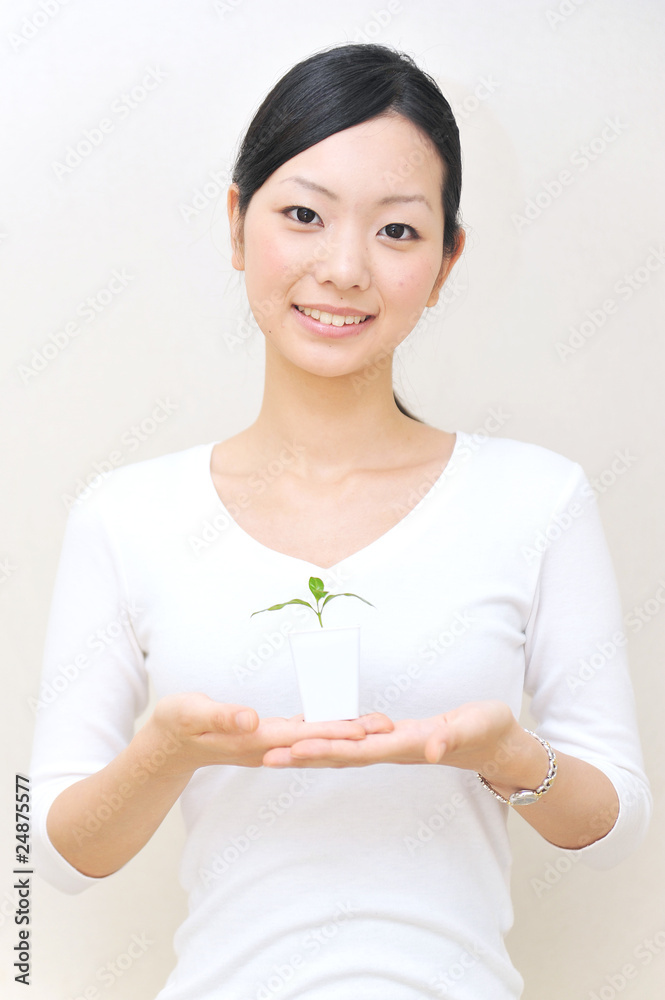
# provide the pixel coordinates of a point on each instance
(472, 736)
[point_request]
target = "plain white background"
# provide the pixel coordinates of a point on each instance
(525, 329)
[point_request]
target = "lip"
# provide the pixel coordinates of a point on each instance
(335, 310)
(328, 330)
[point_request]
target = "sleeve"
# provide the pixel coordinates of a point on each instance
(93, 682)
(577, 669)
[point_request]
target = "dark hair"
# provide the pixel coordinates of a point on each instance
(335, 89)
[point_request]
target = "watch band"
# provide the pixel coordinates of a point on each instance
(528, 796)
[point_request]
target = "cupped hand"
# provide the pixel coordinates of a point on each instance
(192, 730)
(470, 736)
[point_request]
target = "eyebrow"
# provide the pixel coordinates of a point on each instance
(390, 199)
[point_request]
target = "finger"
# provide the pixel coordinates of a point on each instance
(351, 729)
(375, 749)
(278, 757)
(435, 748)
(281, 757)
(247, 720)
(334, 729)
(196, 713)
(312, 748)
(233, 719)
(285, 732)
(377, 722)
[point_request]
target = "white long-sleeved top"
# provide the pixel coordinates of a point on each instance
(381, 881)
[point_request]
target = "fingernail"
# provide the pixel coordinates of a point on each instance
(245, 721)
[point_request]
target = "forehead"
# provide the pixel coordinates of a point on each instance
(384, 155)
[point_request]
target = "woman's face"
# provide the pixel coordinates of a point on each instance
(352, 226)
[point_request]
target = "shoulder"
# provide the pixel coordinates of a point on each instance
(516, 455)
(518, 469)
(150, 487)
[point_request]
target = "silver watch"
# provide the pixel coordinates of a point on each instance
(528, 796)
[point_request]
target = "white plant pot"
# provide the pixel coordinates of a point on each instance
(327, 661)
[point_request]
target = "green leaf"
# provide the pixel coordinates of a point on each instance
(318, 590)
(331, 596)
(276, 607)
(317, 587)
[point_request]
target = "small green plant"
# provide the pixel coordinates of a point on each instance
(319, 592)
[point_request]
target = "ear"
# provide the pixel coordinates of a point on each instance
(235, 226)
(447, 265)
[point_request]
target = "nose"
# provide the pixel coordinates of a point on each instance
(343, 259)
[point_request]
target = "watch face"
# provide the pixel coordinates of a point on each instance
(523, 798)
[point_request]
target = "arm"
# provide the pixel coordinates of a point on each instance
(100, 823)
(93, 681)
(484, 736)
(577, 674)
(582, 804)
(99, 791)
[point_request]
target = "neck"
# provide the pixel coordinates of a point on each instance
(335, 424)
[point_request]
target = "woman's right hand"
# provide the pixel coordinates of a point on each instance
(190, 730)
(128, 798)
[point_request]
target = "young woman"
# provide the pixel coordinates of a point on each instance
(317, 864)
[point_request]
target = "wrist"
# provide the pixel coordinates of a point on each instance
(159, 753)
(522, 762)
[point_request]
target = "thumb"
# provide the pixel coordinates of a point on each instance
(233, 719)
(247, 720)
(435, 749)
(437, 744)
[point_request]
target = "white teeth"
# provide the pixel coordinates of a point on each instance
(331, 319)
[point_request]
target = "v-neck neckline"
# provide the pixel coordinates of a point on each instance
(395, 528)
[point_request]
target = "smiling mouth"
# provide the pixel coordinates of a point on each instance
(332, 319)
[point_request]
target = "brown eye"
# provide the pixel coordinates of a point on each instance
(305, 215)
(397, 231)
